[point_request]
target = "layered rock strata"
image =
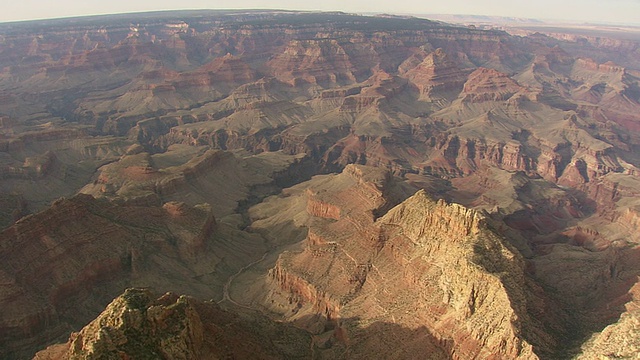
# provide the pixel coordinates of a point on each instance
(60, 266)
(460, 280)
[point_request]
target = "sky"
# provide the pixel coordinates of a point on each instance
(600, 11)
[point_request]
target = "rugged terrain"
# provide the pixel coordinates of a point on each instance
(387, 185)
(136, 325)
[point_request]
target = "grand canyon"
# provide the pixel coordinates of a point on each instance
(302, 185)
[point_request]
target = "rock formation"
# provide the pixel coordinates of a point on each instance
(168, 133)
(61, 265)
(459, 279)
(137, 325)
(437, 76)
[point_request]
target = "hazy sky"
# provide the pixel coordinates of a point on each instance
(618, 11)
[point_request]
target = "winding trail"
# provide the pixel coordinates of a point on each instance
(227, 297)
(225, 289)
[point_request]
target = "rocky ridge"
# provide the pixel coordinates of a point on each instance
(44, 294)
(226, 108)
(348, 270)
(137, 325)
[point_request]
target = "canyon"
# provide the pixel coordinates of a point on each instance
(316, 186)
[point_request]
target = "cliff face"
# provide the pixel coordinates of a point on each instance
(61, 264)
(132, 324)
(322, 62)
(460, 280)
(476, 273)
(619, 340)
(489, 85)
(137, 325)
(437, 76)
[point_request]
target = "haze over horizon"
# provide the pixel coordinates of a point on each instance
(614, 11)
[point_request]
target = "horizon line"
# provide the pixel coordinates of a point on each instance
(548, 21)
